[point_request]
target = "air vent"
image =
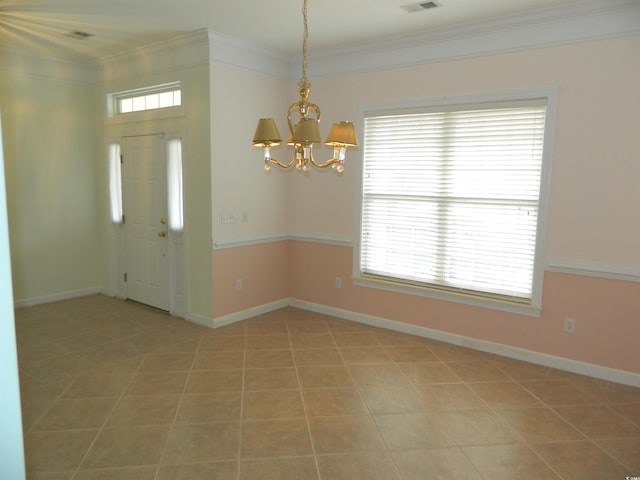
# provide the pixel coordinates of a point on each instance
(78, 35)
(419, 7)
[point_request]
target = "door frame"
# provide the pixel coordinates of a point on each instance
(176, 246)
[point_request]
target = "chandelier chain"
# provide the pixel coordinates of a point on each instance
(305, 40)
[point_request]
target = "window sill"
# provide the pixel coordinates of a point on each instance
(463, 298)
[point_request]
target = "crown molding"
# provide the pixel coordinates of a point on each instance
(578, 22)
(40, 65)
(173, 54)
(232, 51)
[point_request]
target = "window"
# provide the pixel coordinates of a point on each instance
(115, 183)
(451, 199)
(149, 98)
(174, 184)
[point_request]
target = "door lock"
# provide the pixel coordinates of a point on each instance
(163, 221)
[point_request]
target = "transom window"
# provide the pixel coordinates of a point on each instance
(451, 198)
(149, 98)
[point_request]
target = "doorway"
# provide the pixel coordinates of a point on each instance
(144, 198)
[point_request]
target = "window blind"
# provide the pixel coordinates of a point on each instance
(451, 196)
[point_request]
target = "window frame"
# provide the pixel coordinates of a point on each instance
(532, 308)
(114, 116)
(175, 184)
(114, 166)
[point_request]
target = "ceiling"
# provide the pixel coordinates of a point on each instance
(117, 25)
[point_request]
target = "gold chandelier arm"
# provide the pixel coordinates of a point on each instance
(325, 164)
(275, 161)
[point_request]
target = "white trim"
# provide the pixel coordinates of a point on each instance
(566, 364)
(323, 238)
(589, 269)
(199, 320)
(57, 297)
(578, 22)
(557, 265)
(251, 312)
(170, 55)
(465, 299)
(39, 65)
(248, 241)
(235, 52)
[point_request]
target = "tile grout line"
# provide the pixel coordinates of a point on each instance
(106, 421)
(364, 403)
(601, 400)
(502, 421)
(175, 416)
(242, 385)
(304, 406)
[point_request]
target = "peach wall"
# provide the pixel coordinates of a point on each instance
(607, 311)
(264, 272)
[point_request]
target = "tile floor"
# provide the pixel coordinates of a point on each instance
(114, 390)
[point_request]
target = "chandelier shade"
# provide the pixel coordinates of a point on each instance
(343, 133)
(306, 132)
(266, 133)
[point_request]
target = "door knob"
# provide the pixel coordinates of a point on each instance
(162, 234)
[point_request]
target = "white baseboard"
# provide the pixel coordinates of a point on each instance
(560, 363)
(198, 319)
(251, 312)
(57, 297)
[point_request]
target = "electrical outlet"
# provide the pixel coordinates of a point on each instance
(245, 217)
(238, 284)
(569, 325)
(228, 217)
(338, 282)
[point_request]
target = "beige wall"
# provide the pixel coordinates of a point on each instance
(55, 186)
(594, 194)
(193, 123)
(239, 99)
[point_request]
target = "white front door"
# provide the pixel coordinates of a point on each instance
(144, 178)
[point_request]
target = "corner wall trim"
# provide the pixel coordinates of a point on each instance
(248, 241)
(576, 267)
(199, 320)
(323, 238)
(250, 312)
(567, 364)
(326, 239)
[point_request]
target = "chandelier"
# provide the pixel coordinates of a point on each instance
(304, 133)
